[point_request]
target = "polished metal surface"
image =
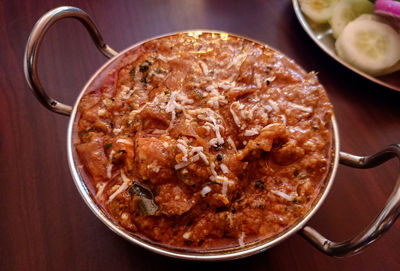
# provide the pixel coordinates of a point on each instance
(380, 224)
(33, 45)
(31, 76)
(321, 34)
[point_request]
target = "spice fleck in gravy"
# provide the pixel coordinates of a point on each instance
(202, 141)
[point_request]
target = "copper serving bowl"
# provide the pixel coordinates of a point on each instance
(352, 246)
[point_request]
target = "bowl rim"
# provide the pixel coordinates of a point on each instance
(236, 253)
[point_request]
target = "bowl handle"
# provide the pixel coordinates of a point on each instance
(381, 223)
(33, 45)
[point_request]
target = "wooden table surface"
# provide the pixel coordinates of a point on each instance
(44, 223)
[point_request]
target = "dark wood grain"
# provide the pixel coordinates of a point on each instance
(44, 224)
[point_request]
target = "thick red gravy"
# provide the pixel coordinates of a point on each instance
(205, 141)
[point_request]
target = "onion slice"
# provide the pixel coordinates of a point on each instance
(388, 7)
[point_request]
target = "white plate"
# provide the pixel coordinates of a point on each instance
(321, 34)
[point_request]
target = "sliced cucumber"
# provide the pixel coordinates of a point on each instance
(370, 17)
(369, 45)
(320, 11)
(393, 22)
(346, 11)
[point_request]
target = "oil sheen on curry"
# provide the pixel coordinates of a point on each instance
(201, 141)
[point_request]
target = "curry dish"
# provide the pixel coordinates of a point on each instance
(202, 141)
